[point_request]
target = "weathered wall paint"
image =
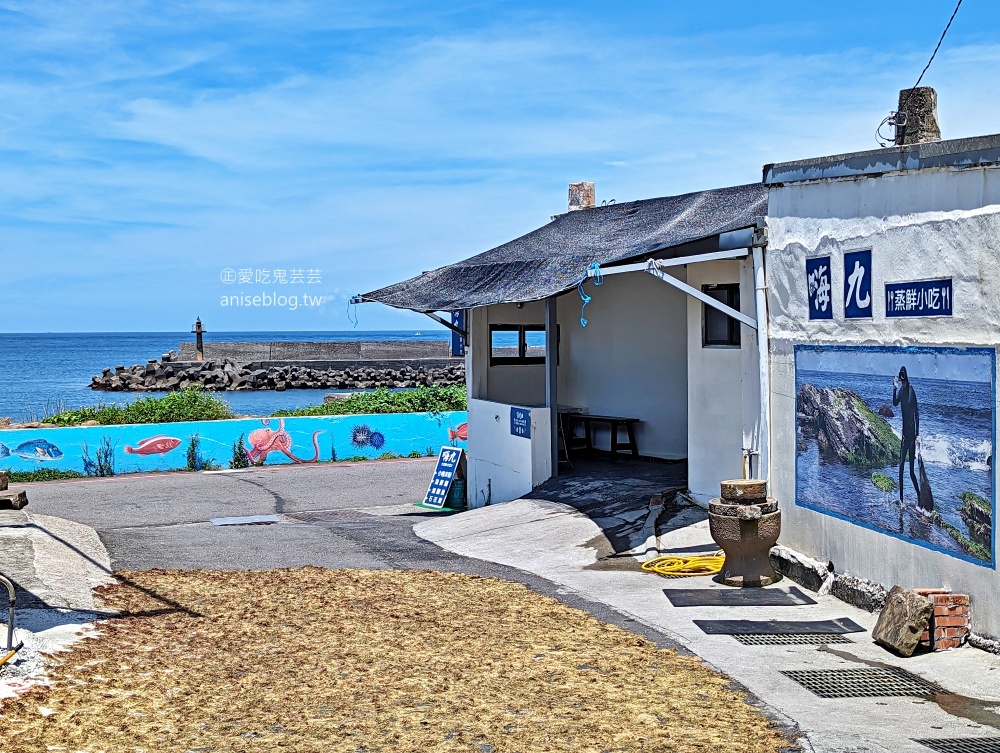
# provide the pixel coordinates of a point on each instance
(161, 447)
(919, 225)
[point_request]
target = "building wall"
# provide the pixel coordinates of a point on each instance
(919, 225)
(630, 360)
(722, 384)
(517, 385)
(502, 467)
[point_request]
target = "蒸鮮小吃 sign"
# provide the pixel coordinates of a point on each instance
(819, 281)
(858, 285)
(924, 298)
(520, 422)
(444, 474)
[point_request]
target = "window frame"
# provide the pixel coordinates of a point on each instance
(734, 339)
(521, 359)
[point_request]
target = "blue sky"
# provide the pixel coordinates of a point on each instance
(146, 147)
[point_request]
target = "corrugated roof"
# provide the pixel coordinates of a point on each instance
(555, 257)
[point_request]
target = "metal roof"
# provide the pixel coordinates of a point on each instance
(555, 257)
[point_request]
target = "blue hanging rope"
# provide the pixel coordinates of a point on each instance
(352, 312)
(598, 280)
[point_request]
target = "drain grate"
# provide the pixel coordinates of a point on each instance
(318, 516)
(790, 639)
(869, 682)
(963, 744)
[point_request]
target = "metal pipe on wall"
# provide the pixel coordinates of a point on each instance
(760, 290)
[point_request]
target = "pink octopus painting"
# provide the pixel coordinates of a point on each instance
(264, 441)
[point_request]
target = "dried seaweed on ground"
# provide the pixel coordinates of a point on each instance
(309, 659)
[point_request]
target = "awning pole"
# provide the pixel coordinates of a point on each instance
(653, 268)
(552, 379)
(763, 433)
(449, 325)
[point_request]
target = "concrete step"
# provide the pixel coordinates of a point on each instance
(17, 498)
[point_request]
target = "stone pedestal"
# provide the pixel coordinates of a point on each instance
(745, 523)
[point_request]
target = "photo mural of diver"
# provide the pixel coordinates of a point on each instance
(900, 440)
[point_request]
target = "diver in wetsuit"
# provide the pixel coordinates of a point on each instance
(904, 396)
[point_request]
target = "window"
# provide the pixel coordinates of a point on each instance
(517, 344)
(719, 328)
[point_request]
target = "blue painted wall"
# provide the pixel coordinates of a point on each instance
(162, 447)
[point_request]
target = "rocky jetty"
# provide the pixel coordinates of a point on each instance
(846, 428)
(226, 374)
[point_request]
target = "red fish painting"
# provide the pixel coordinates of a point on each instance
(461, 433)
(158, 445)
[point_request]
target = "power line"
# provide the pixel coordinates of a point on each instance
(892, 117)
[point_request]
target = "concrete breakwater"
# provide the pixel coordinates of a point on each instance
(222, 372)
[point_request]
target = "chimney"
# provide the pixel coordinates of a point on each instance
(582, 196)
(916, 118)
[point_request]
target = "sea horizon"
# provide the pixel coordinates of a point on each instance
(44, 372)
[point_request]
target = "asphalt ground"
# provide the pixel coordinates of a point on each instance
(354, 515)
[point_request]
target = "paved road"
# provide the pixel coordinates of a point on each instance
(333, 515)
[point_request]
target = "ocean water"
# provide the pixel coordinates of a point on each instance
(956, 436)
(42, 373)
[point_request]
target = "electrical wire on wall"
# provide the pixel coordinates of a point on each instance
(898, 118)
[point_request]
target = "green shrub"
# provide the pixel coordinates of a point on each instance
(239, 459)
(355, 459)
(388, 456)
(105, 463)
(42, 474)
(195, 460)
(184, 405)
(420, 400)
(415, 454)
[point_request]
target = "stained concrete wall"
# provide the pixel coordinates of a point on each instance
(922, 224)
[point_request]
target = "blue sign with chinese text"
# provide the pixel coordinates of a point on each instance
(858, 285)
(444, 474)
(925, 298)
(819, 282)
(520, 422)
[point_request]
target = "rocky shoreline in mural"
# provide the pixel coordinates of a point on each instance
(845, 427)
(849, 423)
(168, 374)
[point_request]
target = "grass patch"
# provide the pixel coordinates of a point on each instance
(312, 660)
(420, 400)
(184, 405)
(883, 482)
(42, 474)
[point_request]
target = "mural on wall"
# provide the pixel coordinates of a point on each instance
(900, 440)
(207, 445)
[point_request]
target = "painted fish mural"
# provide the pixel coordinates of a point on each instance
(34, 449)
(158, 445)
(461, 433)
(264, 441)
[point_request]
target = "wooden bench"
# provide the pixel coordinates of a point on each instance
(615, 422)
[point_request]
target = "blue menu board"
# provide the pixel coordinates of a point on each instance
(444, 474)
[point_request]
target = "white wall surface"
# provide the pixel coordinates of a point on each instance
(519, 385)
(718, 379)
(919, 225)
(630, 360)
(502, 467)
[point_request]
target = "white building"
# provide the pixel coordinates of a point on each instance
(867, 262)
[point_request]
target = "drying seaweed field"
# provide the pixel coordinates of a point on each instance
(312, 659)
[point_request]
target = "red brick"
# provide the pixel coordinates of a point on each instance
(940, 622)
(932, 591)
(957, 600)
(947, 643)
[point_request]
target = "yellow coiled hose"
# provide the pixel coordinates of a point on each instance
(677, 565)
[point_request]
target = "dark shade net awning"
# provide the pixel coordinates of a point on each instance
(555, 257)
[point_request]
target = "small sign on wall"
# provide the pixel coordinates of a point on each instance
(925, 298)
(520, 422)
(818, 280)
(858, 285)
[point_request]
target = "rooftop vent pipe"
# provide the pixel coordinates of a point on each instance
(582, 196)
(916, 119)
